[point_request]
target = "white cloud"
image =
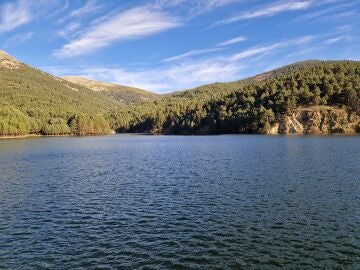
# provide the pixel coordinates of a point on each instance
(342, 15)
(14, 14)
(219, 47)
(334, 40)
(134, 23)
(193, 7)
(70, 30)
(187, 73)
(192, 53)
(208, 5)
(327, 13)
(344, 28)
(163, 79)
(255, 51)
(267, 11)
(270, 48)
(66, 5)
(90, 6)
(232, 41)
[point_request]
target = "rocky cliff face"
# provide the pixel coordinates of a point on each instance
(318, 120)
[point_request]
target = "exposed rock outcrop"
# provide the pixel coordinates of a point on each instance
(318, 120)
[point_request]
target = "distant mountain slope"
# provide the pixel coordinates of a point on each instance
(306, 97)
(41, 97)
(124, 94)
(31, 89)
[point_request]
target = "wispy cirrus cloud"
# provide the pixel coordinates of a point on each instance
(90, 6)
(219, 47)
(14, 14)
(194, 7)
(267, 11)
(162, 79)
(318, 14)
(17, 13)
(344, 28)
(321, 48)
(192, 53)
(209, 5)
(337, 39)
(70, 30)
(262, 50)
(130, 24)
(186, 72)
(134, 23)
(232, 41)
(337, 10)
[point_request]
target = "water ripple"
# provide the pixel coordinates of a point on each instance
(158, 202)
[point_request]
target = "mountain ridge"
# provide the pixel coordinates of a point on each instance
(258, 106)
(321, 96)
(124, 94)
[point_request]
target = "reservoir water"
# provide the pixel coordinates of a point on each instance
(174, 202)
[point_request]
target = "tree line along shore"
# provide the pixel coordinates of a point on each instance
(35, 103)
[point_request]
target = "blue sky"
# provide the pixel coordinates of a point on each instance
(166, 45)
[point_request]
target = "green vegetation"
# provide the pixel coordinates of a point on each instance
(33, 102)
(250, 106)
(56, 126)
(87, 125)
(14, 123)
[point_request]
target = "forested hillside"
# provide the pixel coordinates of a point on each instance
(256, 105)
(33, 102)
(306, 97)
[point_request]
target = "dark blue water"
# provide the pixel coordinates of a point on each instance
(159, 202)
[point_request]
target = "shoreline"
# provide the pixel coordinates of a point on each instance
(48, 136)
(21, 136)
(29, 136)
(42, 135)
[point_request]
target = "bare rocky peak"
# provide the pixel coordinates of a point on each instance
(7, 61)
(91, 84)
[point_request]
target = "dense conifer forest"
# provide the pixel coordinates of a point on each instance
(248, 106)
(33, 102)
